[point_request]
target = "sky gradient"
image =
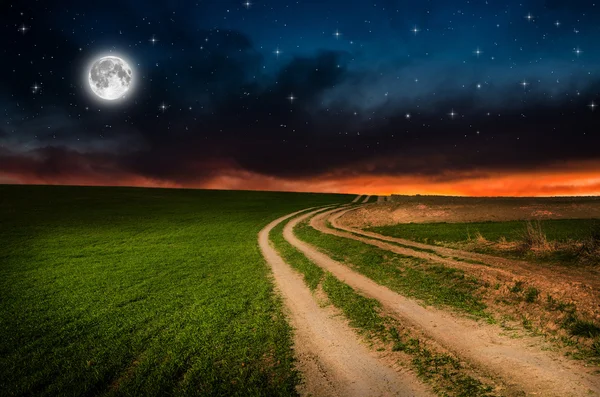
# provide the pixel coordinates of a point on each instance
(431, 97)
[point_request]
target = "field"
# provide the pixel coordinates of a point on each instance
(141, 292)
(115, 291)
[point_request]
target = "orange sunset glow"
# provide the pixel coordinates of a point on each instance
(582, 179)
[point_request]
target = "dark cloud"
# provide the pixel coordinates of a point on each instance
(228, 106)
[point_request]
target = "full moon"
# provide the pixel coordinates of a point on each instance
(110, 78)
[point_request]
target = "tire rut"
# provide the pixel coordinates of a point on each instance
(330, 357)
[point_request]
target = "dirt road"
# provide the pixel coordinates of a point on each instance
(366, 200)
(331, 358)
(519, 362)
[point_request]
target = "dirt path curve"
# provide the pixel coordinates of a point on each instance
(516, 361)
(356, 199)
(319, 222)
(332, 360)
(515, 269)
(366, 200)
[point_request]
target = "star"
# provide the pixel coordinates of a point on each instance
(577, 51)
(477, 52)
(479, 86)
(337, 34)
(163, 107)
(592, 106)
(247, 4)
(23, 29)
(35, 88)
(277, 52)
(153, 39)
(557, 23)
(529, 17)
(452, 114)
(407, 116)
(291, 98)
(415, 30)
(524, 84)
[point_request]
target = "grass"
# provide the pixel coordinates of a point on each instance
(312, 273)
(531, 295)
(440, 367)
(564, 241)
(431, 283)
(124, 291)
(362, 312)
(445, 372)
(561, 230)
(587, 329)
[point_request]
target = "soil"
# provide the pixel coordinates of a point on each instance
(429, 209)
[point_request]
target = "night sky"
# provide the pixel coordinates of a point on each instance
(445, 97)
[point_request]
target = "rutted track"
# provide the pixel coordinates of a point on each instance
(332, 360)
(518, 362)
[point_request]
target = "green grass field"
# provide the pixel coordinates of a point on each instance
(125, 291)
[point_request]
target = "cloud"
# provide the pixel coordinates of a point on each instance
(230, 122)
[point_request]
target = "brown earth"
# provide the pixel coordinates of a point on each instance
(426, 209)
(520, 363)
(330, 357)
